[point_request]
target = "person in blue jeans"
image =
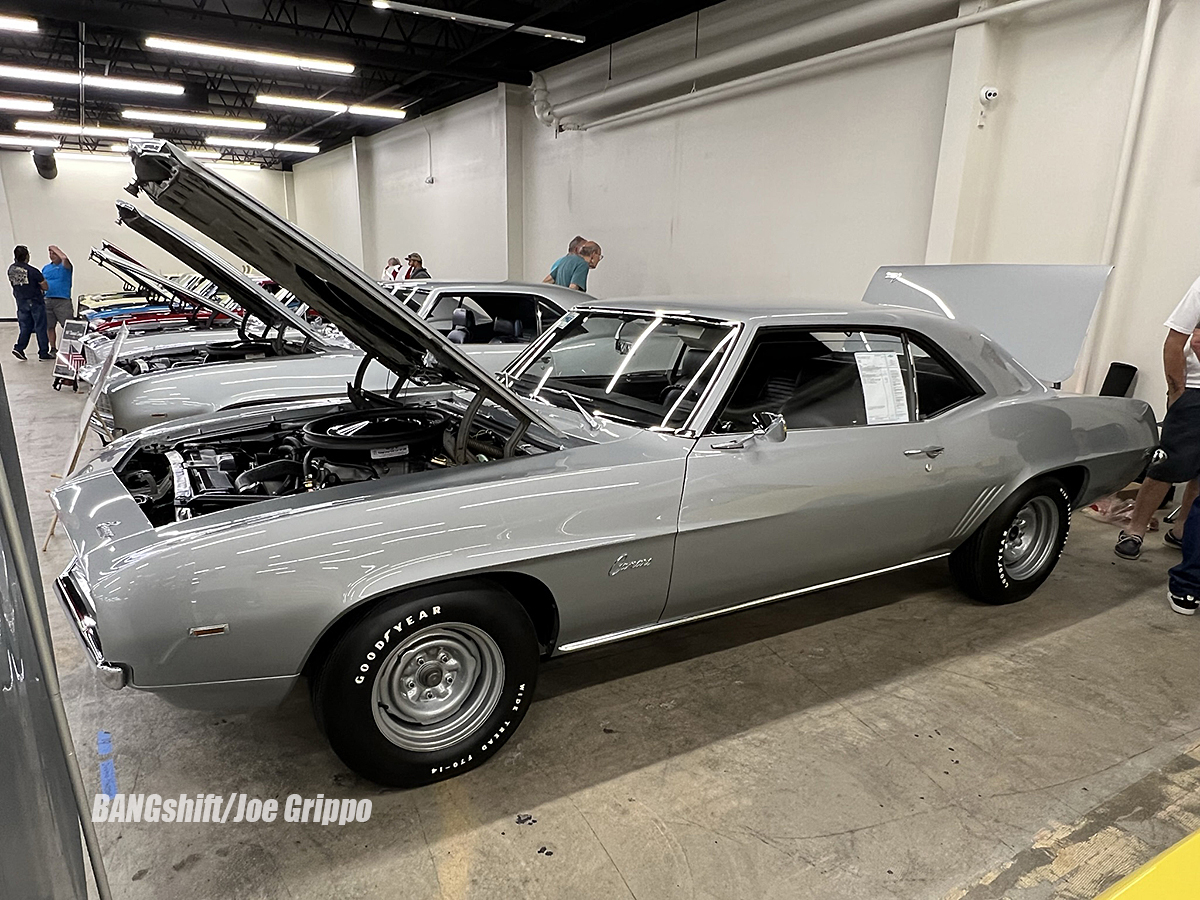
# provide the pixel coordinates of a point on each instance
(28, 287)
(1183, 580)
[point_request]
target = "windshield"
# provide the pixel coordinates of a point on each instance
(645, 369)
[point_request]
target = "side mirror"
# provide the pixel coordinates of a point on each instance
(767, 427)
(770, 427)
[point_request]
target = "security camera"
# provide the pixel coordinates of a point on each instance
(988, 95)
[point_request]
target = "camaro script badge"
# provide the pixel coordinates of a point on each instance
(624, 562)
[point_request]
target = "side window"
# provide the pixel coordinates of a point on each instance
(820, 380)
(548, 315)
(938, 386)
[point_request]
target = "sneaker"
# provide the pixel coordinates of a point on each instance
(19, 354)
(45, 356)
(1171, 541)
(1185, 605)
(1129, 546)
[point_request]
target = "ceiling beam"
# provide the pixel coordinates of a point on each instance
(142, 17)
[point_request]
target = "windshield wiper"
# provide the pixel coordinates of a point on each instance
(592, 422)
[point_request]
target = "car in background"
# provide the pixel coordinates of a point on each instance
(165, 304)
(642, 464)
(489, 321)
(266, 326)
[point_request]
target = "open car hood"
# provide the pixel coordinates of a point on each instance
(255, 300)
(114, 249)
(366, 313)
(1039, 314)
(113, 260)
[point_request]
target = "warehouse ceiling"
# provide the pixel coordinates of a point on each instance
(402, 59)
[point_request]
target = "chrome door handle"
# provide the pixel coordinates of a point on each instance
(931, 452)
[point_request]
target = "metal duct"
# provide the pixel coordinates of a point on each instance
(871, 14)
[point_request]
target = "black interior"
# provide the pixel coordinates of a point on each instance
(797, 376)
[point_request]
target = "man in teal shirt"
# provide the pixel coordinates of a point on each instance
(571, 271)
(59, 307)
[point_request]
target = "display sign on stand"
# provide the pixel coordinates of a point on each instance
(85, 418)
(70, 354)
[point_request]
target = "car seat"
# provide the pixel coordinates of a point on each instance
(462, 322)
(506, 331)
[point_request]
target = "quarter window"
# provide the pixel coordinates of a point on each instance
(938, 386)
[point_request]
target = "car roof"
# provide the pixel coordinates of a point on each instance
(751, 310)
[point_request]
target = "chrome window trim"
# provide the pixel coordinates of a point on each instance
(524, 360)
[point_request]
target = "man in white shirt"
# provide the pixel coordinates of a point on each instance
(1177, 458)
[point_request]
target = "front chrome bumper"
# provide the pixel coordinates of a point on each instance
(81, 612)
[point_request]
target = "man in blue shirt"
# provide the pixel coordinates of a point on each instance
(27, 287)
(571, 271)
(59, 307)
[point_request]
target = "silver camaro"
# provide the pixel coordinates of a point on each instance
(639, 466)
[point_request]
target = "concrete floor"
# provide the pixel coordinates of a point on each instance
(888, 739)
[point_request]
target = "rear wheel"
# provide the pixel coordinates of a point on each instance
(1016, 548)
(423, 688)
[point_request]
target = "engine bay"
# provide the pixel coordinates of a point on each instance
(174, 482)
(222, 351)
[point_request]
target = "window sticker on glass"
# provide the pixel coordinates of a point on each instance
(884, 392)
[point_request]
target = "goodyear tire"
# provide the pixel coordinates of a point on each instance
(1016, 548)
(429, 685)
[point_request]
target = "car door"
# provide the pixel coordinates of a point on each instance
(850, 490)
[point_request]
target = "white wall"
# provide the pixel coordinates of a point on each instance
(1054, 140)
(77, 211)
(805, 188)
(781, 193)
(458, 224)
(327, 201)
(1158, 252)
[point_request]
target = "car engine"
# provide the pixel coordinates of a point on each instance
(175, 482)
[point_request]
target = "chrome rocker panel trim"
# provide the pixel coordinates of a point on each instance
(613, 637)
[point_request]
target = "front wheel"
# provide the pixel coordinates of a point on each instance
(1016, 548)
(423, 689)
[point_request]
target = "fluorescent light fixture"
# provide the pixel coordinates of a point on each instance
(381, 112)
(20, 140)
(242, 54)
(300, 103)
(26, 105)
(117, 148)
(62, 76)
(244, 143)
(413, 9)
(152, 115)
(328, 106)
(247, 143)
(203, 154)
(284, 147)
(92, 157)
(83, 130)
(133, 84)
(17, 23)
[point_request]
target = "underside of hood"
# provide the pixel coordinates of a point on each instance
(243, 291)
(366, 313)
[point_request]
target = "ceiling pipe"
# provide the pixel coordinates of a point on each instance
(818, 64)
(871, 14)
